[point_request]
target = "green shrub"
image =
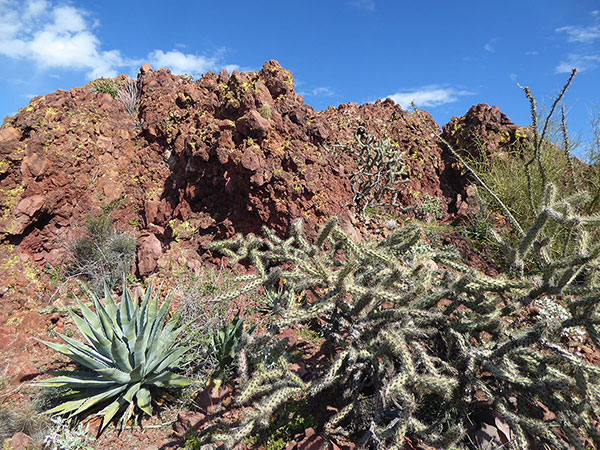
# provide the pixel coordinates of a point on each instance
(225, 343)
(514, 183)
(105, 86)
(64, 437)
(127, 362)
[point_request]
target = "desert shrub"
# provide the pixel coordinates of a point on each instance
(103, 255)
(514, 185)
(430, 207)
(62, 436)
(129, 96)
(128, 361)
(215, 324)
(23, 420)
(105, 86)
(420, 342)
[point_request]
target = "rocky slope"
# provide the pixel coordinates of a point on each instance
(201, 160)
(204, 160)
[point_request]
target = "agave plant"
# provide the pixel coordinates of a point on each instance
(225, 344)
(128, 358)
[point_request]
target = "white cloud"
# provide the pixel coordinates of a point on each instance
(488, 48)
(54, 37)
(181, 63)
(369, 5)
(315, 92)
(428, 96)
(580, 33)
(60, 37)
(322, 91)
(580, 62)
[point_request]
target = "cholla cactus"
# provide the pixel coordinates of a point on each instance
(418, 331)
(381, 169)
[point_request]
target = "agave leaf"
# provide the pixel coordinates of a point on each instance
(75, 355)
(112, 311)
(168, 380)
(66, 407)
(96, 340)
(84, 349)
(137, 374)
(167, 337)
(133, 389)
(74, 381)
(110, 411)
(99, 398)
(144, 400)
(92, 320)
(142, 316)
(157, 323)
(139, 349)
(110, 306)
(114, 374)
(120, 353)
(168, 359)
(126, 310)
(153, 309)
(107, 325)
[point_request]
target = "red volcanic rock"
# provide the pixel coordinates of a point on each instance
(19, 441)
(149, 251)
(253, 124)
(227, 154)
(483, 128)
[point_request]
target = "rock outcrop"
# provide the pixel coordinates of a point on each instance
(204, 160)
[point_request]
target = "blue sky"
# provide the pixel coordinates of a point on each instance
(444, 55)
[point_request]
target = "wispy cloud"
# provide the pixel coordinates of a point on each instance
(180, 63)
(429, 96)
(580, 33)
(490, 45)
(580, 62)
(322, 91)
(58, 36)
(369, 5)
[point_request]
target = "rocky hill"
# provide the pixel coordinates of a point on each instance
(204, 160)
(184, 163)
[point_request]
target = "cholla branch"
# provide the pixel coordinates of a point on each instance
(381, 169)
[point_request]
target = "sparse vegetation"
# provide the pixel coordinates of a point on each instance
(129, 96)
(105, 86)
(23, 420)
(370, 341)
(103, 255)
